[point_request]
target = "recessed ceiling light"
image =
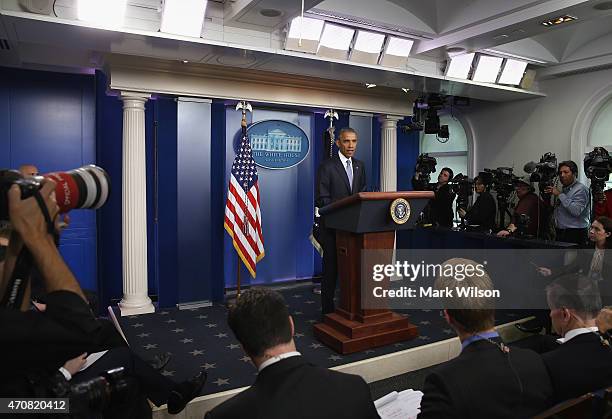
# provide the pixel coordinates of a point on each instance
(270, 12)
(405, 89)
(487, 69)
(185, 61)
(183, 17)
(109, 13)
(558, 20)
(459, 66)
(335, 41)
(367, 47)
(513, 72)
(606, 5)
(370, 85)
(397, 51)
(308, 31)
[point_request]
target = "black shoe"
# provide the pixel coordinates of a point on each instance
(159, 362)
(184, 392)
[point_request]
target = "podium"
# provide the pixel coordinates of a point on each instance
(364, 222)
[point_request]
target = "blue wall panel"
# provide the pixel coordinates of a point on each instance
(166, 231)
(194, 201)
(407, 153)
(47, 119)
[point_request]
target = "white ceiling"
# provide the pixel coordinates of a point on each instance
(236, 34)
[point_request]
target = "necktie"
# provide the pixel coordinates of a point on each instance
(349, 172)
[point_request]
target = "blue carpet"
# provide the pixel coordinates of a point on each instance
(200, 338)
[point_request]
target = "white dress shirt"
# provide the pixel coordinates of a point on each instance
(277, 358)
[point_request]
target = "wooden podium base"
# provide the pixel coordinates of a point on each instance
(347, 336)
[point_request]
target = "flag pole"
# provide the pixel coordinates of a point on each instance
(244, 106)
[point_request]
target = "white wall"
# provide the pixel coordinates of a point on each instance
(508, 134)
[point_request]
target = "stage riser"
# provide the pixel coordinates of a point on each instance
(346, 345)
(356, 330)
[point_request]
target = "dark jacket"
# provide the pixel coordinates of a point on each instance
(333, 183)
(483, 382)
(482, 212)
(580, 365)
(439, 211)
(295, 389)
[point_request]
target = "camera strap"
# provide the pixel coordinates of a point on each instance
(19, 280)
(23, 266)
(45, 213)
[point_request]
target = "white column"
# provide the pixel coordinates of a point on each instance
(134, 207)
(388, 153)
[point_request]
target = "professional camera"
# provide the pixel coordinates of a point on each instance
(425, 166)
(544, 172)
(522, 222)
(502, 182)
(85, 187)
(87, 399)
(597, 167)
(462, 186)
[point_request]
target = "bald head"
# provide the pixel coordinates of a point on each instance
(28, 170)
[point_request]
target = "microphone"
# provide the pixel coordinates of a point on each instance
(530, 167)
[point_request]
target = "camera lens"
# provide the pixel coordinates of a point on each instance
(85, 187)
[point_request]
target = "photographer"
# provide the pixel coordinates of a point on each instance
(572, 209)
(482, 213)
(439, 211)
(42, 348)
(529, 205)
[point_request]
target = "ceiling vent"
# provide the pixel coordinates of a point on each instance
(41, 7)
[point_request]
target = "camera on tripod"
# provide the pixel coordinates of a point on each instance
(544, 172)
(502, 180)
(597, 167)
(425, 166)
(462, 186)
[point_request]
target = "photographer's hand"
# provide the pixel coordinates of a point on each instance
(553, 190)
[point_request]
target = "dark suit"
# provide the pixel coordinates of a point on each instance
(333, 185)
(578, 366)
(293, 388)
(483, 382)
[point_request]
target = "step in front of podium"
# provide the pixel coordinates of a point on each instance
(349, 336)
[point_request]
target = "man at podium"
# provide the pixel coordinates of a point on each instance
(337, 177)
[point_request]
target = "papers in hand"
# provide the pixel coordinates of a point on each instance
(91, 358)
(404, 405)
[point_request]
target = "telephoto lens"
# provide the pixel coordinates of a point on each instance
(87, 187)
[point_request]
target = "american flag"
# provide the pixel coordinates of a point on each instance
(243, 193)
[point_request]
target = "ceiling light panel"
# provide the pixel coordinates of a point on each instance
(335, 41)
(367, 47)
(183, 17)
(109, 13)
(459, 66)
(513, 72)
(397, 52)
(309, 30)
(487, 69)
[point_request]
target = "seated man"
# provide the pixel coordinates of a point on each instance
(583, 361)
(287, 385)
(487, 380)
